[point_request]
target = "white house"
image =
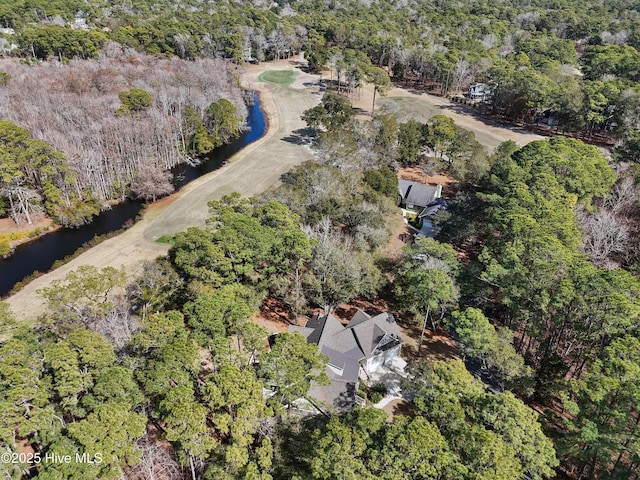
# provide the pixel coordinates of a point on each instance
(355, 351)
(480, 91)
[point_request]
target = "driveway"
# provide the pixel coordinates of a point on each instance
(391, 377)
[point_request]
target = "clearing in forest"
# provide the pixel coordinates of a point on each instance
(407, 105)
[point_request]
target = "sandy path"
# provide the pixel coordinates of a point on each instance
(251, 171)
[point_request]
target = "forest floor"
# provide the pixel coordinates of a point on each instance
(251, 171)
(398, 407)
(275, 317)
(39, 220)
(416, 174)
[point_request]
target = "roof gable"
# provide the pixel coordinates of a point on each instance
(387, 323)
(328, 331)
(433, 208)
(346, 347)
(322, 327)
(359, 339)
(369, 334)
(305, 331)
(358, 318)
(418, 194)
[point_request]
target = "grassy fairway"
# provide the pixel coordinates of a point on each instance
(408, 109)
(281, 77)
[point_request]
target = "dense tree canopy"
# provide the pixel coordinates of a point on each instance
(537, 57)
(174, 357)
(568, 314)
(457, 431)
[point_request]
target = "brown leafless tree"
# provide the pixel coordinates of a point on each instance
(624, 198)
(116, 324)
(72, 107)
(603, 236)
(158, 462)
(23, 201)
(151, 181)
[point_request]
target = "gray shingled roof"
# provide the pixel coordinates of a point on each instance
(316, 324)
(357, 318)
(305, 331)
(341, 396)
(416, 193)
(336, 337)
(345, 347)
(434, 207)
(348, 361)
(363, 332)
(387, 322)
(369, 334)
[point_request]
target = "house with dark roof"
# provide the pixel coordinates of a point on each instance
(419, 198)
(355, 350)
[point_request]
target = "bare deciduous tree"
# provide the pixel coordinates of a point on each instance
(339, 273)
(154, 287)
(158, 462)
(23, 201)
(72, 107)
(624, 197)
(604, 235)
(181, 41)
(490, 40)
(116, 325)
(93, 299)
(463, 75)
(151, 181)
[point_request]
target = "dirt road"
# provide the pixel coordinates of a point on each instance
(250, 171)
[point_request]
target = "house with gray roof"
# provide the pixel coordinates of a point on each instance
(355, 350)
(418, 197)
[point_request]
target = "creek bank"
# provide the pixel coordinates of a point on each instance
(40, 254)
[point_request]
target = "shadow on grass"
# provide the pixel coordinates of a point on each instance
(301, 136)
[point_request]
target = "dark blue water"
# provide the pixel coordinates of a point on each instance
(184, 174)
(41, 254)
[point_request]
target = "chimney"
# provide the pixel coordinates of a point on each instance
(438, 191)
